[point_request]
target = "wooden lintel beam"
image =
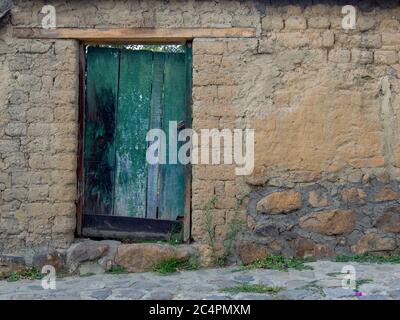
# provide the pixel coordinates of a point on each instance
(133, 34)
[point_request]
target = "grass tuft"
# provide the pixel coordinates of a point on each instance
(174, 265)
(280, 263)
(29, 273)
(360, 282)
(176, 236)
(88, 274)
(315, 287)
(117, 270)
(254, 288)
(368, 257)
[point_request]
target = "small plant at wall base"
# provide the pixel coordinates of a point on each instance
(30, 273)
(315, 287)
(361, 282)
(173, 265)
(234, 228)
(209, 225)
(280, 263)
(253, 288)
(86, 275)
(117, 270)
(369, 258)
(175, 236)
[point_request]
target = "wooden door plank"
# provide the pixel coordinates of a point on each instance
(128, 227)
(172, 193)
(155, 123)
(187, 221)
(81, 121)
(136, 34)
(101, 102)
(132, 126)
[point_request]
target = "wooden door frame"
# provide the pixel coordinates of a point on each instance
(129, 227)
(118, 36)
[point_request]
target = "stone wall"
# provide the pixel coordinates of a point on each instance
(323, 219)
(323, 102)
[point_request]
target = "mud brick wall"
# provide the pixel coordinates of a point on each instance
(38, 143)
(324, 103)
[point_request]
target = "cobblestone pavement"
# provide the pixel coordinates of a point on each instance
(376, 281)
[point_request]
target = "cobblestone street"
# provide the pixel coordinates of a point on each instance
(374, 281)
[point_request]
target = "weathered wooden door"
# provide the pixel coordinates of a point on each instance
(127, 93)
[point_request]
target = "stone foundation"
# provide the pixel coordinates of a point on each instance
(323, 219)
(87, 256)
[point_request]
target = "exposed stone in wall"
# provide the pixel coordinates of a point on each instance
(280, 202)
(345, 225)
(142, 257)
(329, 222)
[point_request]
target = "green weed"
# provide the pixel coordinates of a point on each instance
(280, 263)
(368, 258)
(117, 270)
(316, 288)
(254, 288)
(360, 282)
(173, 265)
(88, 274)
(29, 273)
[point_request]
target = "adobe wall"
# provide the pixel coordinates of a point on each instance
(324, 103)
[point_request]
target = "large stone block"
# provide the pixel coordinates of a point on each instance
(307, 248)
(139, 257)
(373, 242)
(280, 202)
(386, 194)
(85, 251)
(10, 264)
(353, 195)
(389, 221)
(249, 251)
(329, 222)
(55, 259)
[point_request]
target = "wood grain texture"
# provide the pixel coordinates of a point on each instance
(187, 220)
(132, 118)
(155, 123)
(128, 227)
(99, 148)
(172, 181)
(80, 167)
(129, 92)
(137, 34)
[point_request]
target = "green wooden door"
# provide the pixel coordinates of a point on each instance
(135, 87)
(127, 93)
(99, 146)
